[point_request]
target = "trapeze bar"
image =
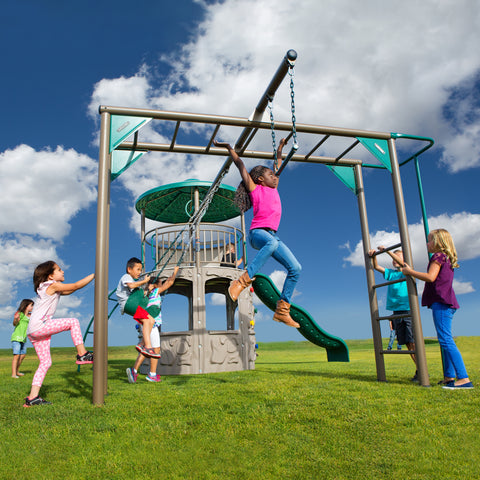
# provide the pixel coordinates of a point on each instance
(287, 159)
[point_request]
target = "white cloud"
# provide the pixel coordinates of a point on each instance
(122, 91)
(464, 228)
(217, 299)
(67, 307)
(278, 278)
(390, 70)
(462, 287)
(375, 70)
(48, 187)
(41, 192)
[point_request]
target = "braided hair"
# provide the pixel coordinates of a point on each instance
(242, 198)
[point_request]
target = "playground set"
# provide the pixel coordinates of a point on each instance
(194, 237)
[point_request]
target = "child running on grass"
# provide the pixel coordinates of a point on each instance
(438, 295)
(258, 189)
(155, 290)
(19, 335)
(48, 280)
(126, 286)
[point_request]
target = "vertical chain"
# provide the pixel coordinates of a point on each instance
(292, 96)
(272, 127)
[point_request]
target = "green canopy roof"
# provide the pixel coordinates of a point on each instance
(174, 203)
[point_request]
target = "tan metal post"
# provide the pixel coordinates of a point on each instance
(407, 255)
(372, 294)
(101, 266)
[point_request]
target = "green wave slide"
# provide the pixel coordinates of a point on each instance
(267, 292)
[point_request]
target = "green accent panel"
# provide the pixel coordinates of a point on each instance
(379, 149)
(170, 203)
(122, 126)
(346, 175)
(267, 292)
(121, 160)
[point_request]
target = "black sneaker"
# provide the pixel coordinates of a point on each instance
(415, 377)
(35, 401)
(85, 358)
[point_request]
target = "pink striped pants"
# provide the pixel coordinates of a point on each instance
(41, 342)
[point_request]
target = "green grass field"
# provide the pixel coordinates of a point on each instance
(295, 416)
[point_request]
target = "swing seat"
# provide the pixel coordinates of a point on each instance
(138, 299)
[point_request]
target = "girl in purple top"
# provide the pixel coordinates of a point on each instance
(438, 295)
(259, 189)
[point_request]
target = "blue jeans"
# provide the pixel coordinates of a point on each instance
(393, 334)
(453, 366)
(269, 245)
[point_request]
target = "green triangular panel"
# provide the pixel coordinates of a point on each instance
(346, 175)
(121, 126)
(379, 149)
(121, 160)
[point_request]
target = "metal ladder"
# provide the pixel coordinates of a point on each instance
(411, 285)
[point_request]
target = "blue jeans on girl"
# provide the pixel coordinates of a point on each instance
(453, 366)
(269, 245)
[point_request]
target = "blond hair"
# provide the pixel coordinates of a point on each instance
(443, 242)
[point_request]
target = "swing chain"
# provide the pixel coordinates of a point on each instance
(291, 72)
(208, 200)
(272, 127)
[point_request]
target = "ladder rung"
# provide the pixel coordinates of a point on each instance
(393, 317)
(397, 352)
(388, 249)
(390, 283)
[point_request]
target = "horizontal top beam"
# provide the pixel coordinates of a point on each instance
(240, 122)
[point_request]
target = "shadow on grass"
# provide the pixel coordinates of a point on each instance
(357, 377)
(76, 386)
(117, 370)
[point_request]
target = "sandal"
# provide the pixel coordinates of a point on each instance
(149, 352)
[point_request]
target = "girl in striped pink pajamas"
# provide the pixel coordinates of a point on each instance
(48, 280)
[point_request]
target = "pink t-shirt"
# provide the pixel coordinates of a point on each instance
(267, 208)
(43, 308)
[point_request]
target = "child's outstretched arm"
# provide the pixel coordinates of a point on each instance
(376, 266)
(169, 281)
(138, 283)
(429, 276)
(247, 179)
(68, 288)
(282, 143)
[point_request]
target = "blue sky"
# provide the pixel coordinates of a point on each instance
(414, 70)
